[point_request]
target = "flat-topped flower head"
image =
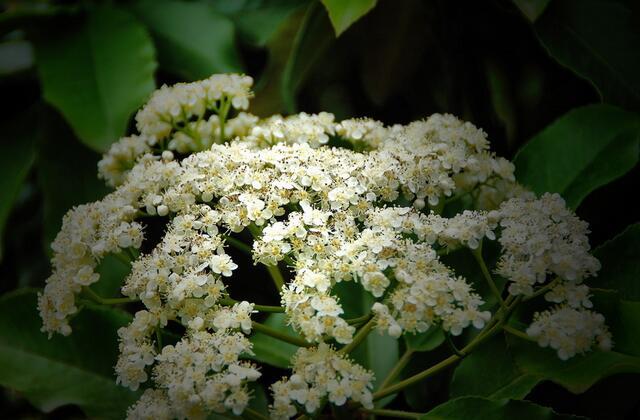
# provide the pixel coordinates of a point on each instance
(351, 201)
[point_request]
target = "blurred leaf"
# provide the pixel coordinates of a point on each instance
(18, 153)
(24, 15)
(15, 56)
(386, 68)
(98, 76)
(59, 156)
(344, 13)
(193, 40)
(311, 41)
(258, 20)
(485, 409)
(501, 98)
(491, 372)
(54, 372)
(620, 269)
(271, 350)
(378, 352)
(112, 274)
(581, 151)
(599, 41)
(532, 9)
(425, 341)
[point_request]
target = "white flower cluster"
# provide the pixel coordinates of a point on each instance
(542, 237)
(318, 373)
(570, 331)
(89, 232)
(199, 375)
(331, 214)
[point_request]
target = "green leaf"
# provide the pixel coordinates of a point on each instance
(58, 156)
(491, 372)
(425, 341)
(378, 352)
(619, 258)
(344, 13)
(19, 141)
(522, 364)
(258, 21)
(584, 149)
(97, 76)
(485, 409)
(54, 372)
(311, 41)
(193, 40)
(271, 350)
(532, 9)
(599, 41)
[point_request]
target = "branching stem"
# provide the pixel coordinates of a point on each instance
(272, 332)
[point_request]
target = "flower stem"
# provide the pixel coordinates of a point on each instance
(261, 308)
(238, 244)
(392, 413)
(107, 301)
(517, 333)
(254, 414)
(397, 369)
(274, 271)
(222, 114)
(494, 326)
(359, 337)
(272, 332)
(477, 253)
(544, 289)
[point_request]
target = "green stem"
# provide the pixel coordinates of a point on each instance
(544, 289)
(296, 341)
(238, 244)
(359, 320)
(494, 326)
(276, 276)
(274, 271)
(260, 308)
(359, 337)
(397, 369)
(517, 333)
(123, 258)
(392, 413)
(224, 110)
(477, 253)
(107, 301)
(253, 413)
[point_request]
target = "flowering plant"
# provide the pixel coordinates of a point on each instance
(331, 210)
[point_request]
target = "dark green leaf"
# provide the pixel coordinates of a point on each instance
(485, 409)
(583, 150)
(620, 269)
(193, 40)
(258, 21)
(425, 341)
(311, 41)
(18, 153)
(344, 13)
(271, 350)
(97, 76)
(62, 370)
(599, 41)
(532, 9)
(58, 156)
(491, 372)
